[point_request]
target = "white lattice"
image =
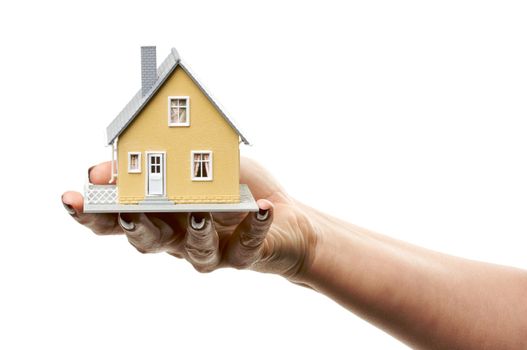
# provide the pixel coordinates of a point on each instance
(100, 194)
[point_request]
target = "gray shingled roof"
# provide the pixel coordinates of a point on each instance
(138, 102)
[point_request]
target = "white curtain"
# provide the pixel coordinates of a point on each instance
(182, 115)
(206, 163)
(133, 161)
(178, 111)
(201, 165)
(197, 164)
(173, 111)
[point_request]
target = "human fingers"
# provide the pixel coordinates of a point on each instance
(202, 242)
(246, 242)
(100, 174)
(146, 234)
(101, 224)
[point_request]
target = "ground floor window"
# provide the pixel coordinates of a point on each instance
(201, 165)
(134, 162)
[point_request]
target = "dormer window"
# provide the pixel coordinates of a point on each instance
(178, 111)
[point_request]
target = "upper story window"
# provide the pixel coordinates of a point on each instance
(201, 165)
(178, 111)
(134, 162)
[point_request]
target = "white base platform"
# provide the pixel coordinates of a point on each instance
(247, 203)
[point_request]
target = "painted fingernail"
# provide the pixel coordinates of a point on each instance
(126, 225)
(197, 223)
(262, 214)
(69, 209)
(89, 171)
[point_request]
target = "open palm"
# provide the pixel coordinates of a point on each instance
(280, 238)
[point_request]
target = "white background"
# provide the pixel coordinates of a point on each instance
(405, 117)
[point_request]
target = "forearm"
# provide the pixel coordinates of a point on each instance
(427, 299)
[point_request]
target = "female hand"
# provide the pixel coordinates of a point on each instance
(280, 238)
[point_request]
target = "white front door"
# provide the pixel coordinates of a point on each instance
(156, 173)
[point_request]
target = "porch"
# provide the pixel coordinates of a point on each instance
(100, 194)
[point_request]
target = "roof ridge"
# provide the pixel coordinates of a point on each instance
(138, 101)
(175, 54)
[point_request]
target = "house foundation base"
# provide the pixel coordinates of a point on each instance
(246, 204)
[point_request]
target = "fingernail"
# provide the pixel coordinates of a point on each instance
(197, 223)
(69, 209)
(89, 171)
(126, 225)
(262, 214)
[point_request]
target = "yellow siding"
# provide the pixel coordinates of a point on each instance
(208, 130)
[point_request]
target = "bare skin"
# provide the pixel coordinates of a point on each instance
(427, 299)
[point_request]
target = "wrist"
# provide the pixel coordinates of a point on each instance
(335, 258)
(320, 233)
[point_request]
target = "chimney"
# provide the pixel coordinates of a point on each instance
(148, 68)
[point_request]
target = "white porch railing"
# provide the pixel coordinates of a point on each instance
(100, 194)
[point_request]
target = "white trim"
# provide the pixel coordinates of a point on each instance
(187, 98)
(116, 156)
(230, 120)
(147, 153)
(115, 162)
(138, 170)
(209, 178)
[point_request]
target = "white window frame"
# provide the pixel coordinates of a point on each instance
(138, 170)
(192, 153)
(187, 98)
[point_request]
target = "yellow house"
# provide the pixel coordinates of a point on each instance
(174, 148)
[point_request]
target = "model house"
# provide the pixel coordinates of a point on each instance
(173, 147)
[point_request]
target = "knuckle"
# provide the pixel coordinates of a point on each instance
(198, 235)
(145, 242)
(203, 268)
(200, 254)
(251, 240)
(100, 225)
(99, 233)
(141, 250)
(144, 248)
(259, 228)
(177, 255)
(201, 247)
(240, 264)
(151, 249)
(105, 230)
(101, 229)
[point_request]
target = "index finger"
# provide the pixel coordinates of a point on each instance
(245, 244)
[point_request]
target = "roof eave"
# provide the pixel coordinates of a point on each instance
(209, 97)
(145, 102)
(177, 62)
